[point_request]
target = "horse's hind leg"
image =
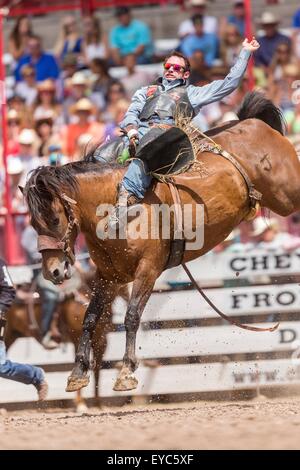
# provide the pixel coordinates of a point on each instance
(141, 291)
(102, 296)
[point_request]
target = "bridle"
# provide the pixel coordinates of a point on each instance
(46, 242)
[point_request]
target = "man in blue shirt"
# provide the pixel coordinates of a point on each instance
(271, 39)
(157, 104)
(130, 36)
(44, 64)
(200, 41)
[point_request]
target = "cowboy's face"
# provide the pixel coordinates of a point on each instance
(175, 69)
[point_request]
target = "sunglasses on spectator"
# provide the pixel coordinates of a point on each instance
(176, 67)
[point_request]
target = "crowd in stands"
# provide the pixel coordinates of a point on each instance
(68, 98)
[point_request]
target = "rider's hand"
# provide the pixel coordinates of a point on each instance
(251, 46)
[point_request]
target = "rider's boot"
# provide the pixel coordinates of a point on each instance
(122, 212)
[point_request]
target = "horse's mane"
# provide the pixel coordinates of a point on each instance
(46, 183)
(256, 105)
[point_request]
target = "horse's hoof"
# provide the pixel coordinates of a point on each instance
(125, 382)
(77, 383)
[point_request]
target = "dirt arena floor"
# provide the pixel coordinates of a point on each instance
(270, 424)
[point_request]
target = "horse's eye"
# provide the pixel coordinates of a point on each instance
(56, 221)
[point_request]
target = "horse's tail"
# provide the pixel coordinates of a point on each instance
(256, 105)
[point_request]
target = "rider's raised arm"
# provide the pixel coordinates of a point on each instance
(218, 89)
(138, 101)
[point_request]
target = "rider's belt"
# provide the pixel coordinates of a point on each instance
(160, 125)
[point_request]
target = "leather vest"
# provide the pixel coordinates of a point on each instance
(166, 104)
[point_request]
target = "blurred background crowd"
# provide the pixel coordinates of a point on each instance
(63, 98)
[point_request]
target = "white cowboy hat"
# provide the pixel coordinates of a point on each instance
(79, 78)
(197, 3)
(26, 137)
(260, 225)
(14, 166)
(268, 18)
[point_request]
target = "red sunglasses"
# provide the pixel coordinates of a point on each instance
(176, 67)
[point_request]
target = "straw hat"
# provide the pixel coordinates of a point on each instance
(291, 70)
(260, 225)
(84, 104)
(268, 18)
(26, 137)
(46, 85)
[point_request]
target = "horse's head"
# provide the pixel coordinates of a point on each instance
(54, 219)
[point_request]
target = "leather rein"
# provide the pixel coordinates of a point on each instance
(46, 242)
(254, 197)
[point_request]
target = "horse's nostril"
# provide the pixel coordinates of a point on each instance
(56, 273)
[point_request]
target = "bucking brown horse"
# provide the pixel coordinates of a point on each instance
(64, 200)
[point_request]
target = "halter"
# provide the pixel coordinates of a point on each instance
(46, 242)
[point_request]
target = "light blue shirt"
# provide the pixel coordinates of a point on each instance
(198, 95)
(128, 38)
(207, 43)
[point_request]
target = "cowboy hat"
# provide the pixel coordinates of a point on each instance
(84, 104)
(260, 225)
(268, 18)
(26, 137)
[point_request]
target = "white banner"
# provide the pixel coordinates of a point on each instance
(175, 342)
(175, 379)
(221, 266)
(188, 304)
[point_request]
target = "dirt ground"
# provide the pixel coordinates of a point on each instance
(270, 424)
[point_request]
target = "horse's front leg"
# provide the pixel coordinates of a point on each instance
(141, 291)
(101, 297)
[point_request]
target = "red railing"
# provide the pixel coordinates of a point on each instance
(39, 7)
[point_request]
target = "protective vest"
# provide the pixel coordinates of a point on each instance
(166, 104)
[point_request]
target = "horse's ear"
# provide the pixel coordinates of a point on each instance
(21, 188)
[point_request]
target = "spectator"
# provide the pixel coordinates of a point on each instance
(83, 110)
(268, 237)
(27, 154)
(15, 169)
(270, 41)
(77, 88)
(296, 19)
(14, 129)
(115, 94)
(101, 82)
(284, 89)
(199, 71)
(18, 39)
(283, 56)
(69, 42)
(135, 78)
(230, 45)
(95, 43)
(210, 23)
(207, 43)
(130, 36)
(236, 18)
(46, 103)
(44, 64)
(44, 130)
(17, 103)
(27, 88)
